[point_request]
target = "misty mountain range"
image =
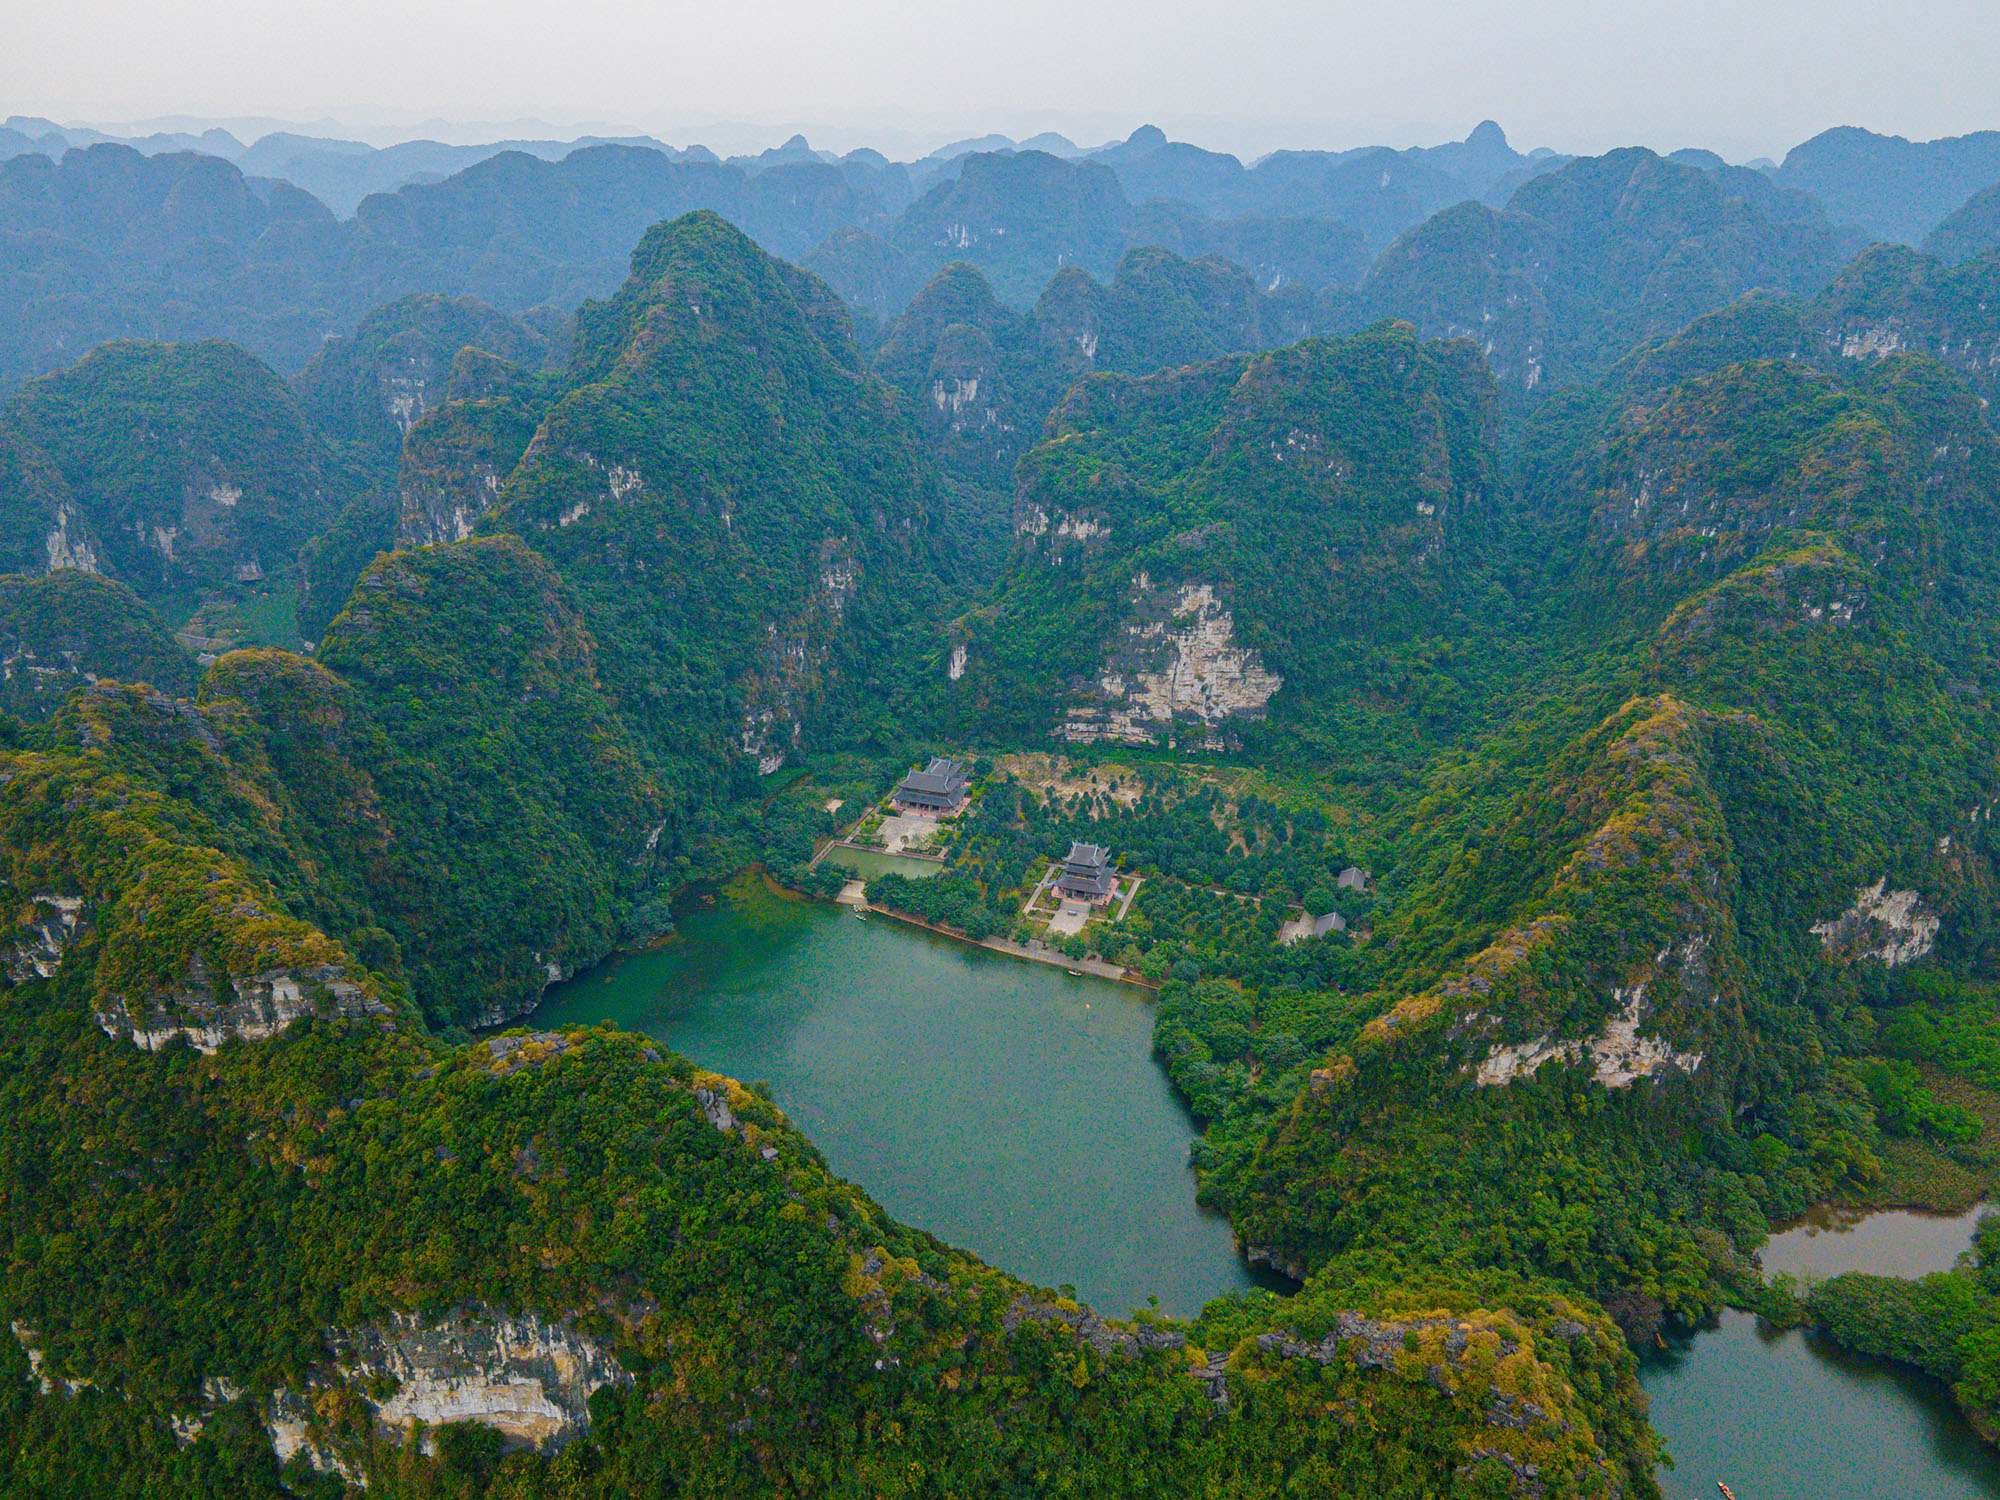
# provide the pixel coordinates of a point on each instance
(292, 240)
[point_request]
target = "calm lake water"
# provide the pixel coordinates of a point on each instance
(1896, 1243)
(1788, 1417)
(1003, 1106)
(1018, 1112)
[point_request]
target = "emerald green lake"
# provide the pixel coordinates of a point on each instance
(1004, 1106)
(1016, 1111)
(1774, 1415)
(1788, 1417)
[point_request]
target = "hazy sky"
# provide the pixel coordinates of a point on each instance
(1745, 77)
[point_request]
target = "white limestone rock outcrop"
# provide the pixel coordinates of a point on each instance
(962, 406)
(257, 1006)
(67, 549)
(443, 503)
(292, 1423)
(1894, 926)
(44, 935)
(1961, 344)
(1061, 530)
(1174, 672)
(782, 686)
(1619, 1055)
(528, 1378)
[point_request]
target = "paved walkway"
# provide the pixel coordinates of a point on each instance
(1062, 961)
(1071, 917)
(899, 829)
(1036, 955)
(1131, 884)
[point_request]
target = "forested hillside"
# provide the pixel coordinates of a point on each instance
(747, 516)
(1281, 536)
(365, 393)
(652, 1248)
(186, 471)
(62, 629)
(1587, 262)
(1625, 1010)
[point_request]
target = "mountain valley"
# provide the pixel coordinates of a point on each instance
(1523, 631)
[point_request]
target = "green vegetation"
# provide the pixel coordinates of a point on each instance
(774, 1328)
(59, 629)
(1947, 1325)
(1586, 263)
(187, 470)
(364, 393)
(1159, 824)
(746, 520)
(945, 901)
(1333, 495)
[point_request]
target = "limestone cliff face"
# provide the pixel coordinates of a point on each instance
(1618, 1054)
(1975, 350)
(68, 544)
(45, 932)
(1892, 300)
(208, 1012)
(787, 675)
(454, 462)
(1056, 533)
(183, 941)
(1174, 672)
(65, 630)
(1638, 809)
(442, 503)
(722, 483)
(47, 530)
(529, 1378)
(1853, 479)
(1893, 926)
(968, 375)
(184, 469)
(25, 674)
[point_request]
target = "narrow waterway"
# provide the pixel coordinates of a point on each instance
(1004, 1106)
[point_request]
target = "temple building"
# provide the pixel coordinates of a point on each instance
(1087, 874)
(942, 787)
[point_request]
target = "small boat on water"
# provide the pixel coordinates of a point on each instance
(1727, 1492)
(1076, 973)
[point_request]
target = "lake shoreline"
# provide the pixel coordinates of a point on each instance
(1095, 968)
